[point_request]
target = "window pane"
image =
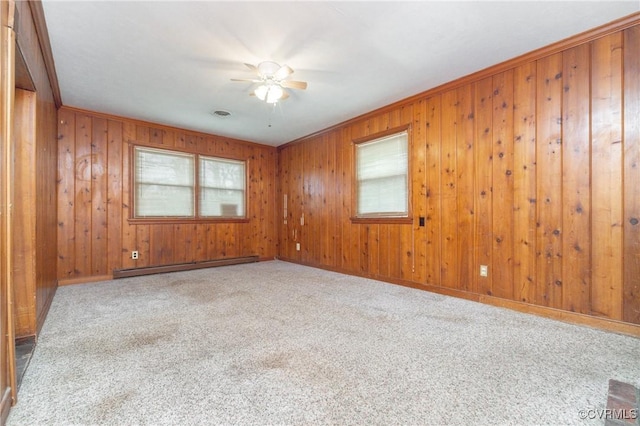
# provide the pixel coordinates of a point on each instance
(164, 183)
(385, 195)
(221, 202)
(163, 200)
(222, 187)
(381, 173)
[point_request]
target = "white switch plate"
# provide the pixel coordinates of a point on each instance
(484, 270)
(298, 246)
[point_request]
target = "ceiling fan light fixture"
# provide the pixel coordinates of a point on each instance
(261, 92)
(273, 81)
(274, 94)
(270, 93)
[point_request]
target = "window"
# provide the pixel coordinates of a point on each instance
(382, 169)
(164, 183)
(221, 187)
(170, 184)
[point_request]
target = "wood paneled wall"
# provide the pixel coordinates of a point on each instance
(532, 169)
(95, 235)
(35, 169)
(7, 350)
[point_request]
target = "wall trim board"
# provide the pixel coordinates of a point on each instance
(84, 280)
(136, 272)
(159, 126)
(37, 13)
(573, 41)
(526, 308)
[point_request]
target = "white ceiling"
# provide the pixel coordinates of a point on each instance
(171, 62)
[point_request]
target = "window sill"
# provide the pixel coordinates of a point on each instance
(181, 220)
(382, 219)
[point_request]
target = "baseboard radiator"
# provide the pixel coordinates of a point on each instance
(135, 272)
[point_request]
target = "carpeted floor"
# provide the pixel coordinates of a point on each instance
(278, 343)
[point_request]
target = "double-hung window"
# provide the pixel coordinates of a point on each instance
(222, 189)
(382, 176)
(177, 185)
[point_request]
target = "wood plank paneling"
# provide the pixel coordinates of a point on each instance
(433, 207)
(99, 196)
(576, 195)
(465, 176)
(525, 170)
(66, 194)
(448, 191)
(127, 231)
(82, 206)
(524, 183)
(114, 194)
(502, 210)
(43, 270)
(549, 181)
(401, 117)
(419, 195)
(631, 177)
(95, 196)
(483, 98)
(24, 221)
(606, 176)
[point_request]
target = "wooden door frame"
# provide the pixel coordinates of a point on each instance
(7, 338)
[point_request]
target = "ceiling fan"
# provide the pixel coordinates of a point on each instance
(273, 81)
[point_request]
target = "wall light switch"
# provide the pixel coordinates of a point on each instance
(484, 270)
(297, 246)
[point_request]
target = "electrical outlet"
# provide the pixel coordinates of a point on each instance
(134, 255)
(297, 246)
(484, 271)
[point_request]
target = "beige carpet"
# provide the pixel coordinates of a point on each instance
(278, 343)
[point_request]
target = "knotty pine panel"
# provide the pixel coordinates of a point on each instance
(606, 176)
(419, 195)
(483, 98)
(576, 197)
(502, 213)
(526, 170)
(465, 152)
(448, 191)
(549, 181)
(524, 183)
(41, 277)
(94, 233)
(24, 221)
(631, 225)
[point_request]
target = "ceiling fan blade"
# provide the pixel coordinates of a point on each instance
(246, 79)
(283, 72)
(252, 67)
(294, 84)
(285, 95)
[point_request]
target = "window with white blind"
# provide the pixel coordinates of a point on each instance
(221, 187)
(164, 183)
(176, 185)
(382, 183)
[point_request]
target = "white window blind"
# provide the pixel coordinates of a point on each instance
(381, 177)
(164, 183)
(222, 187)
